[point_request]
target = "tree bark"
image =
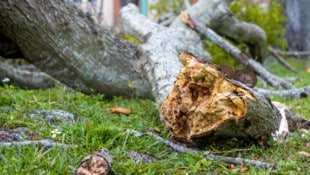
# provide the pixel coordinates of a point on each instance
(160, 49)
(25, 78)
(66, 44)
(204, 104)
(63, 42)
(297, 24)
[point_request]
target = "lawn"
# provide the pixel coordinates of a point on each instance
(94, 127)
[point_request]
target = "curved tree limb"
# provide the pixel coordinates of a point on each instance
(159, 53)
(59, 39)
(217, 15)
(236, 53)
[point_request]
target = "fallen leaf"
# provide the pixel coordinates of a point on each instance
(231, 167)
(118, 110)
(308, 70)
(155, 130)
(244, 169)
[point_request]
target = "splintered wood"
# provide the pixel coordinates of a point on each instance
(202, 100)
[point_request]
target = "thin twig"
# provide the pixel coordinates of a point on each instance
(281, 60)
(241, 161)
(297, 54)
(287, 94)
(208, 154)
(232, 151)
(44, 143)
(235, 52)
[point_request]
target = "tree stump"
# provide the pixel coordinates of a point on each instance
(204, 104)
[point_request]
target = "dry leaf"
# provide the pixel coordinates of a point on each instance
(231, 167)
(118, 110)
(244, 169)
(185, 18)
(308, 70)
(155, 130)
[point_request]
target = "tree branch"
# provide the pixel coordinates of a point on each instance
(25, 78)
(287, 94)
(44, 143)
(236, 53)
(281, 60)
(160, 50)
(297, 54)
(208, 155)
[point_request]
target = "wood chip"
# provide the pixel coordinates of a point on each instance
(119, 110)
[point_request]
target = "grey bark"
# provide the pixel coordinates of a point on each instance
(287, 94)
(298, 24)
(160, 49)
(61, 41)
(25, 78)
(217, 15)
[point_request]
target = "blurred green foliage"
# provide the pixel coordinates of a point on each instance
(163, 6)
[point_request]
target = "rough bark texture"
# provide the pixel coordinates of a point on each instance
(25, 78)
(297, 25)
(204, 103)
(98, 163)
(235, 52)
(64, 43)
(217, 15)
(160, 49)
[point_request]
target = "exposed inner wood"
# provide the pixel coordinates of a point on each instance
(202, 100)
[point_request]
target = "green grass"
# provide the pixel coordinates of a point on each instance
(95, 127)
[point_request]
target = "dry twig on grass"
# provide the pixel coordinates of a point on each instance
(208, 154)
(44, 143)
(281, 60)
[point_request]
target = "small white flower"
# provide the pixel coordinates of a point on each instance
(5, 80)
(55, 132)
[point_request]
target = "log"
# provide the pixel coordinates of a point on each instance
(98, 163)
(205, 103)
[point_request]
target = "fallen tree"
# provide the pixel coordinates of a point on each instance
(204, 103)
(63, 42)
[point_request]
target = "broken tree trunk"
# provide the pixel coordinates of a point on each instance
(63, 42)
(204, 103)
